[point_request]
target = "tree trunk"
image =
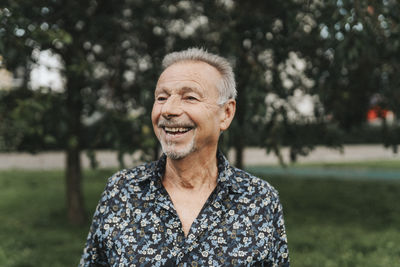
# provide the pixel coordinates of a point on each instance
(241, 131)
(73, 175)
(76, 212)
(242, 109)
(239, 149)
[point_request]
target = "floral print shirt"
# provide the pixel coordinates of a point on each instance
(135, 223)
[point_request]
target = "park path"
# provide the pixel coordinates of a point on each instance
(321, 172)
(252, 156)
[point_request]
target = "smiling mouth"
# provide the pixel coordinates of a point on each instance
(176, 130)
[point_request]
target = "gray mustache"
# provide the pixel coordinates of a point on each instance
(177, 124)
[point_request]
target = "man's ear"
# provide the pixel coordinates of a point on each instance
(227, 114)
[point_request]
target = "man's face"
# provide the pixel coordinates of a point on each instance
(186, 117)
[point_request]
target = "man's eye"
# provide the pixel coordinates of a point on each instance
(191, 98)
(161, 98)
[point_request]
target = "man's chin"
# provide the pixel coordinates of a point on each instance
(175, 154)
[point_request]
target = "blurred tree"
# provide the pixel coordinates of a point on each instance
(265, 41)
(337, 54)
(77, 32)
(353, 60)
(110, 54)
(100, 46)
(40, 125)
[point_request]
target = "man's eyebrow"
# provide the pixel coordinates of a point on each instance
(187, 89)
(160, 90)
(184, 89)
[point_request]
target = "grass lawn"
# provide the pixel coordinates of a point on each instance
(370, 164)
(340, 222)
(329, 222)
(33, 226)
(367, 170)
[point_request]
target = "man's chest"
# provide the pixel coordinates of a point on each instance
(223, 234)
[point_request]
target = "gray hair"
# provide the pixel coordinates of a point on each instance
(227, 88)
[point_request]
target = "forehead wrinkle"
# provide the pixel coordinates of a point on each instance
(191, 77)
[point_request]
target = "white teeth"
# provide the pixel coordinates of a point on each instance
(176, 130)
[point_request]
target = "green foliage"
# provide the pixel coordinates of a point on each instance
(31, 120)
(110, 52)
(329, 222)
(355, 57)
(341, 53)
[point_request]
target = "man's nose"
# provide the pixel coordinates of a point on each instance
(172, 107)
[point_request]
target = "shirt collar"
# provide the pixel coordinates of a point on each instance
(226, 173)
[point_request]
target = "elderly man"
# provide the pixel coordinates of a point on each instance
(191, 207)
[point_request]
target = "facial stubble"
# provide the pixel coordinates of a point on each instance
(169, 148)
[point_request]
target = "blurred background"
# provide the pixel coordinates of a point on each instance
(318, 115)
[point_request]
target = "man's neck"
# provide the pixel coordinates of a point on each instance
(193, 172)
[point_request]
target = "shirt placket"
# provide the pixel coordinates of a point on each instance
(208, 220)
(170, 219)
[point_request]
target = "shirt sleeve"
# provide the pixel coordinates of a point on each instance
(280, 252)
(94, 253)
